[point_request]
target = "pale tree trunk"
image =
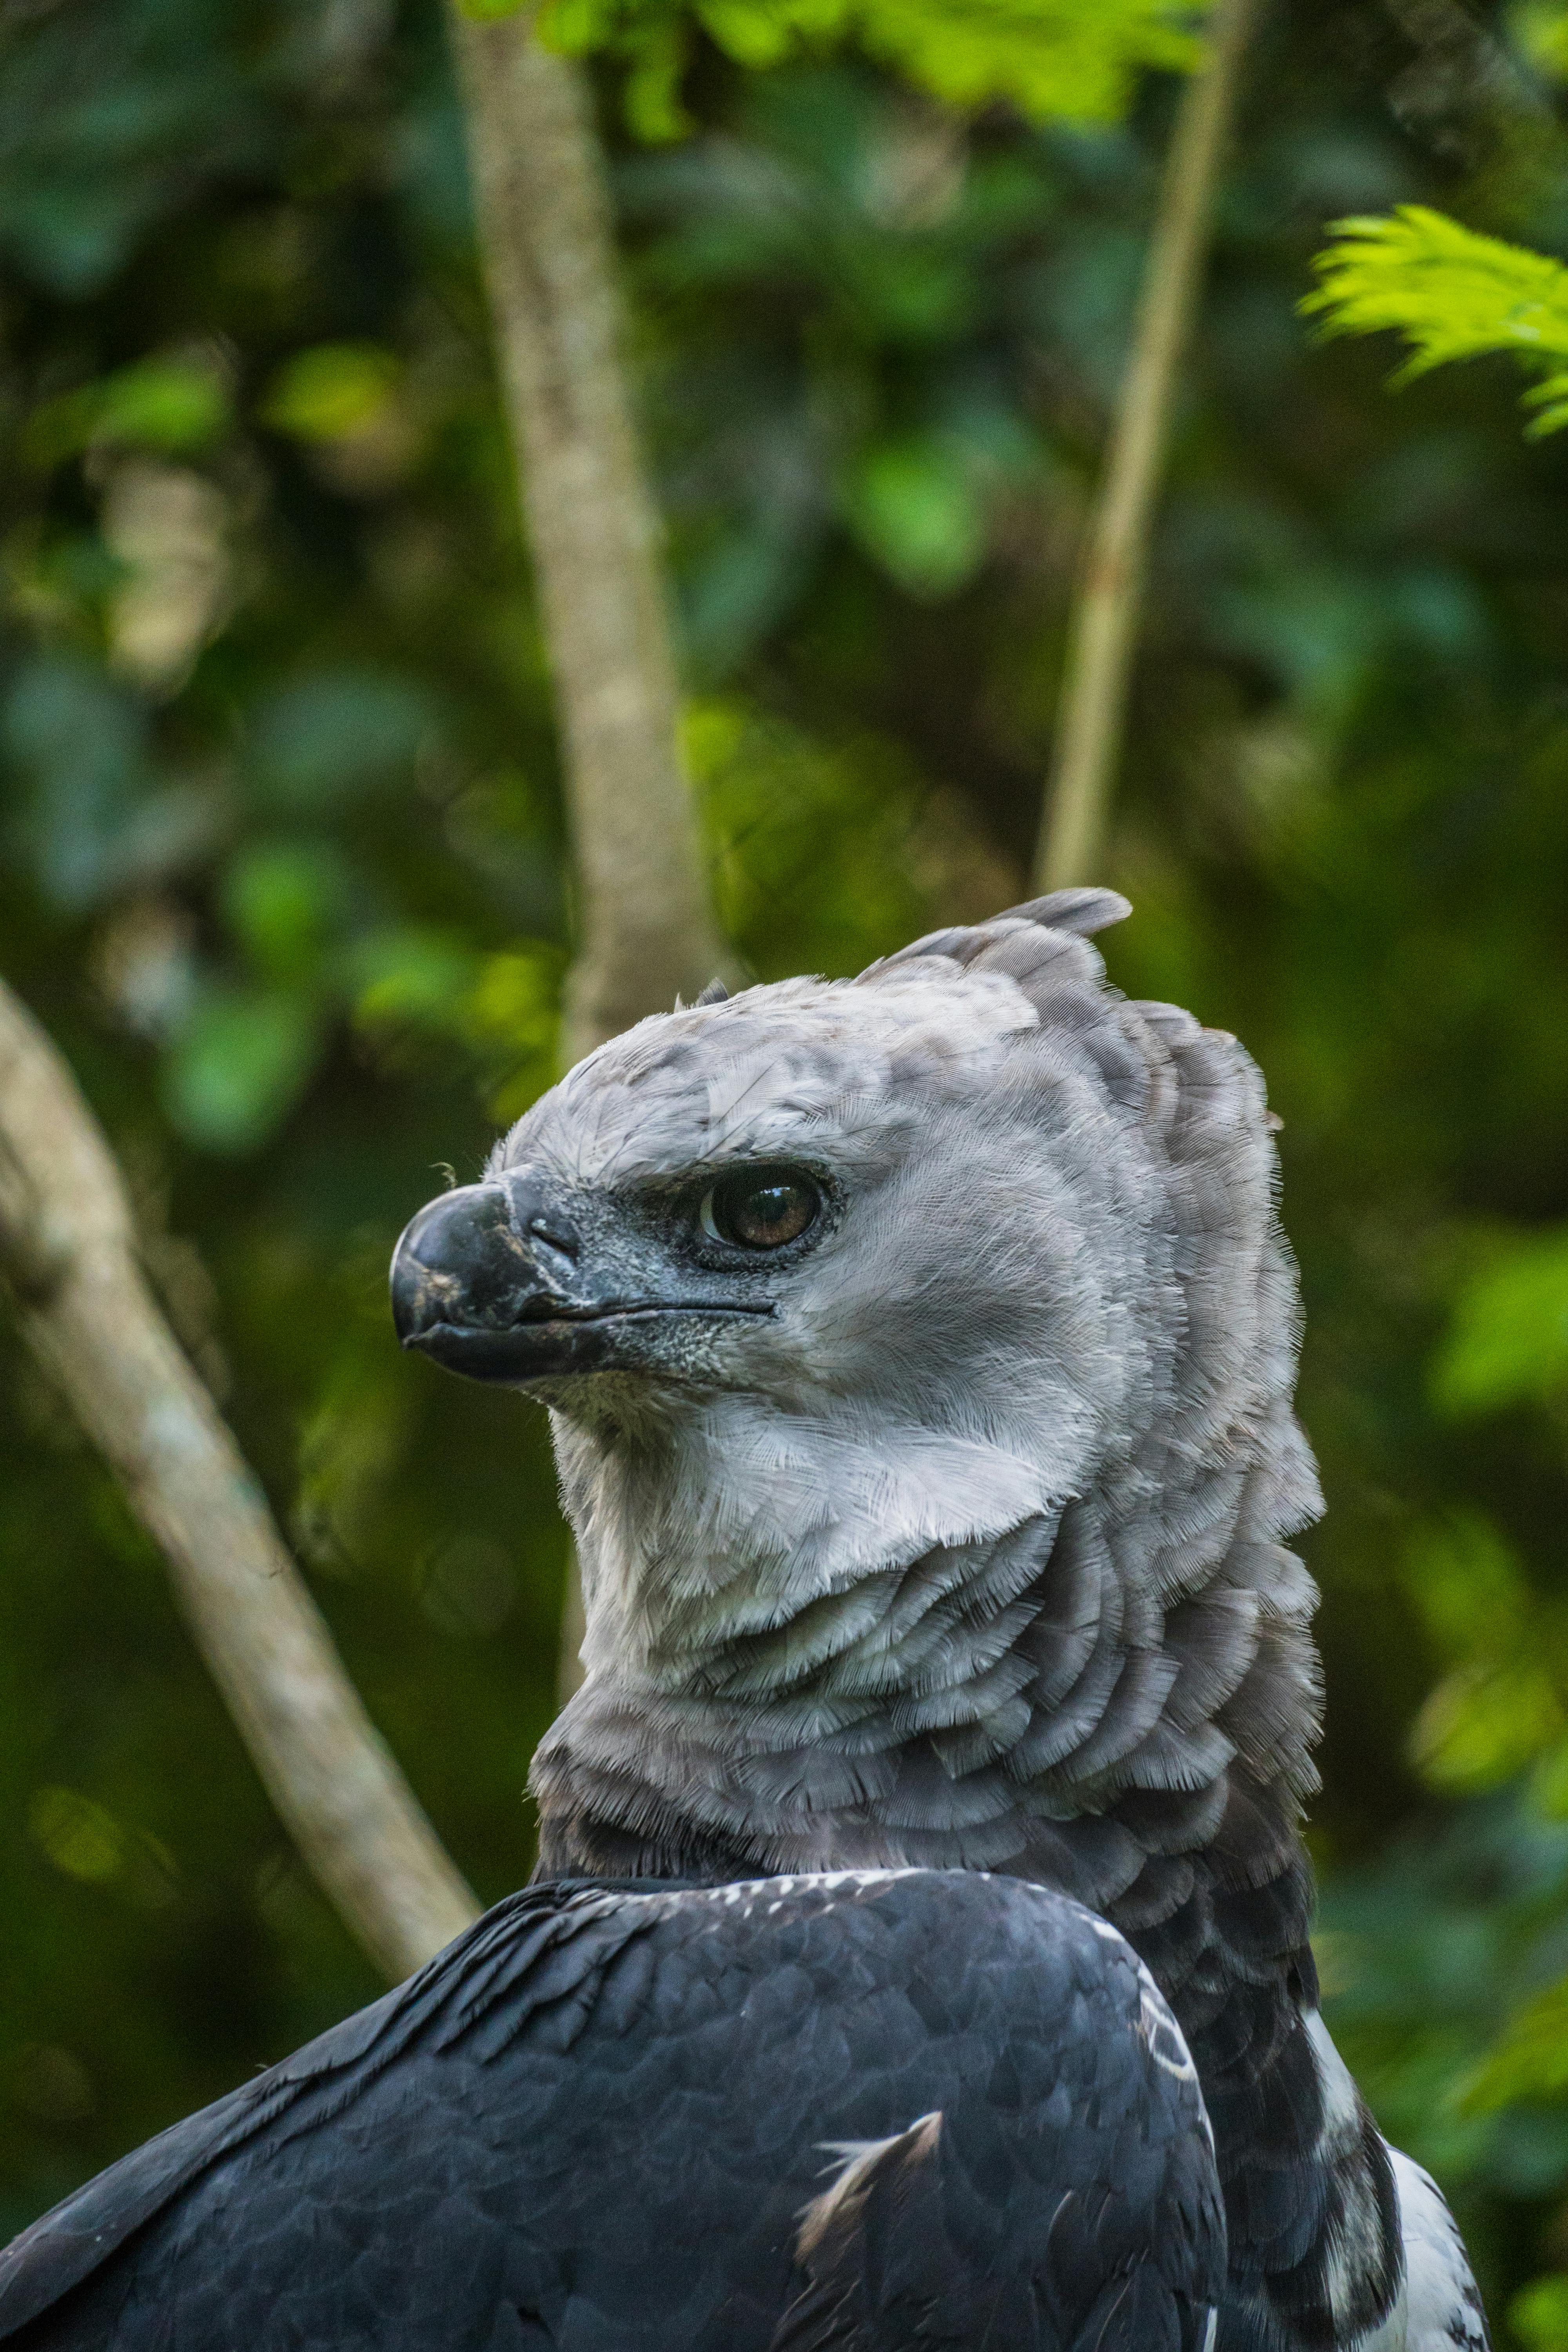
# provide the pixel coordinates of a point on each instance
(645, 919)
(645, 930)
(67, 1249)
(1103, 627)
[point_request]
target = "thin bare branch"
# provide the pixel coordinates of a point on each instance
(645, 917)
(68, 1247)
(1103, 627)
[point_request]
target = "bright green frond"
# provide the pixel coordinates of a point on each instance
(1053, 59)
(1549, 402)
(1452, 293)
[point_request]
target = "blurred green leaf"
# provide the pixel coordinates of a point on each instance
(322, 393)
(408, 974)
(1055, 60)
(1484, 1723)
(79, 1837)
(511, 1016)
(504, 1008)
(652, 101)
(284, 900)
(1549, 1782)
(239, 1067)
(1507, 1341)
(1541, 30)
(1537, 2314)
(1466, 1586)
(817, 845)
(916, 507)
(1452, 1930)
(176, 405)
(1531, 2058)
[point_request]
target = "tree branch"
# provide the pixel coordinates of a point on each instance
(68, 1246)
(645, 919)
(1103, 626)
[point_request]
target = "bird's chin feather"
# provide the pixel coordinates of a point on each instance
(740, 1518)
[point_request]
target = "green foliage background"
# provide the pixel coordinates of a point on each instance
(280, 865)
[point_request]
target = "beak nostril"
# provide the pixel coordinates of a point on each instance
(537, 1214)
(556, 1234)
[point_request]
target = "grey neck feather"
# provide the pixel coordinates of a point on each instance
(949, 1702)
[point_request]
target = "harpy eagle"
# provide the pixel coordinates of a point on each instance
(918, 1350)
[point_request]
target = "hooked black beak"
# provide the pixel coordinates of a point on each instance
(482, 1281)
(489, 1280)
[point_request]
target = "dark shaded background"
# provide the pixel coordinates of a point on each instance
(280, 865)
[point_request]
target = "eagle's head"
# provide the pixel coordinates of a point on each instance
(815, 1277)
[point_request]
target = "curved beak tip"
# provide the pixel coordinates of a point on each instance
(466, 1285)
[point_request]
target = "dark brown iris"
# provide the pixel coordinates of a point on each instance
(761, 1209)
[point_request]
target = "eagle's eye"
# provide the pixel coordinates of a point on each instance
(761, 1208)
